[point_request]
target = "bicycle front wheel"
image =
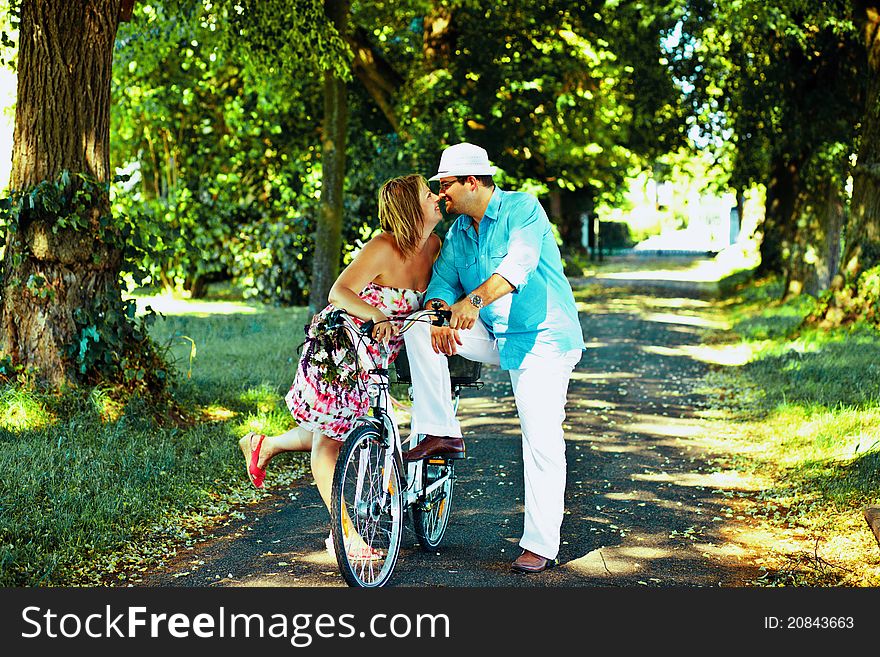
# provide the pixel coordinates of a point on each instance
(366, 511)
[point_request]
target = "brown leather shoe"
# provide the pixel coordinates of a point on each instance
(529, 562)
(445, 446)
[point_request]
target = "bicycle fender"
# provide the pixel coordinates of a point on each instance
(369, 419)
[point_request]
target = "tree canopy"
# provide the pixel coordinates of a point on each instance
(252, 136)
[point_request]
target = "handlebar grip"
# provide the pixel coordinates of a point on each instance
(442, 316)
(367, 327)
(334, 319)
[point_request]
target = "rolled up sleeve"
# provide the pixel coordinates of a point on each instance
(524, 247)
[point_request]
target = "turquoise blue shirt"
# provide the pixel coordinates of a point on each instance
(515, 240)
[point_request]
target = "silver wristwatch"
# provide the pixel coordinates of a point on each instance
(476, 300)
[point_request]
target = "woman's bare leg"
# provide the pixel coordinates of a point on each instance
(325, 451)
(295, 440)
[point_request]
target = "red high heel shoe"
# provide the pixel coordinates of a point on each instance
(252, 457)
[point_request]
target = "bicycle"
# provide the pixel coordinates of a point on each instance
(372, 490)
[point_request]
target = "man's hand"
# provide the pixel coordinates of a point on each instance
(444, 339)
(464, 314)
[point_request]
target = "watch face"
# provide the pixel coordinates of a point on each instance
(477, 300)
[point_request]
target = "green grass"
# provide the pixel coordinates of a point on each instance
(808, 408)
(93, 492)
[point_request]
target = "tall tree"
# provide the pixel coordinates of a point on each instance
(62, 312)
(863, 229)
(778, 81)
(334, 139)
(307, 38)
(862, 233)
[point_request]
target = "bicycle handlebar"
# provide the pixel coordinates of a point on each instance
(335, 319)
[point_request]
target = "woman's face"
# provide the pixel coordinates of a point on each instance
(430, 204)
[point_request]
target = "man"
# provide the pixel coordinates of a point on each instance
(500, 274)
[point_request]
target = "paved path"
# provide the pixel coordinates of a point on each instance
(648, 498)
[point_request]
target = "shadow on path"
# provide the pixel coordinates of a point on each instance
(648, 501)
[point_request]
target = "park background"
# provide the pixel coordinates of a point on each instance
(226, 166)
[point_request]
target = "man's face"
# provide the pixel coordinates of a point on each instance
(452, 188)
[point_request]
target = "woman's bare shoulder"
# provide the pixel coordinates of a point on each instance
(383, 241)
(381, 245)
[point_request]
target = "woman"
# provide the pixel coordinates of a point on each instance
(388, 277)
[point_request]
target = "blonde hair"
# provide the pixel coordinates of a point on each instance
(400, 211)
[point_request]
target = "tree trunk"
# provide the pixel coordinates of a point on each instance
(576, 204)
(862, 233)
(778, 226)
(328, 234)
(815, 247)
(862, 249)
(439, 36)
(834, 215)
(62, 122)
(378, 77)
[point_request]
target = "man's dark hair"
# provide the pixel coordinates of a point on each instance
(485, 181)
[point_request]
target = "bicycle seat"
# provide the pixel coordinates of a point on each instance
(462, 372)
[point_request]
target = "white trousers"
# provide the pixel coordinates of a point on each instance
(540, 390)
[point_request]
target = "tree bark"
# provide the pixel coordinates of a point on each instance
(778, 226)
(439, 36)
(62, 122)
(834, 216)
(328, 234)
(378, 76)
(816, 244)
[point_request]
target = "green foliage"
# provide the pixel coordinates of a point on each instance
(856, 301)
(9, 21)
(225, 171)
(68, 203)
(551, 91)
(113, 345)
(294, 37)
(775, 82)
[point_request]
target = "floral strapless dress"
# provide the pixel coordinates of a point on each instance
(328, 392)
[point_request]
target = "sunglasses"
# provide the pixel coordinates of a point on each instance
(449, 183)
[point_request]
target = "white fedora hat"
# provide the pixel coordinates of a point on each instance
(464, 160)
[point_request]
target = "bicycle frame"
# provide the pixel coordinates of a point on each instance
(383, 418)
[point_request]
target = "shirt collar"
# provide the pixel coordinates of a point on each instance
(464, 221)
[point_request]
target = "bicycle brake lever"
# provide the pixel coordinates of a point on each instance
(441, 315)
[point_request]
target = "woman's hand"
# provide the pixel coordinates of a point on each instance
(383, 330)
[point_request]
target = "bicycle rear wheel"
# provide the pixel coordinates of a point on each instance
(431, 515)
(364, 511)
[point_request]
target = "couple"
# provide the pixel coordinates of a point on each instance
(500, 274)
